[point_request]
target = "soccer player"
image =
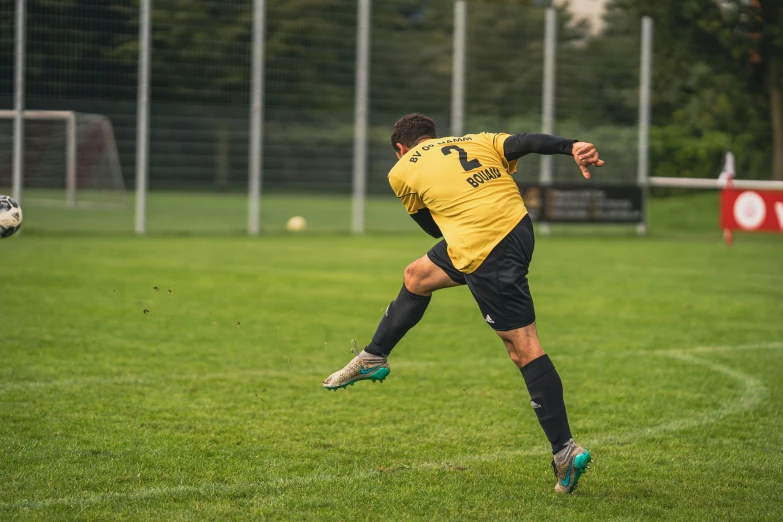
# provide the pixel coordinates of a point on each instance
(461, 188)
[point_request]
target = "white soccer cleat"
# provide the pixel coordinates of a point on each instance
(569, 464)
(363, 366)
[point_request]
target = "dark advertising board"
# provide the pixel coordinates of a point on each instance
(584, 203)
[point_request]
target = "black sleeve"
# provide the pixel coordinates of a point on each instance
(518, 145)
(423, 218)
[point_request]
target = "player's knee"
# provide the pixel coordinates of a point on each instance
(409, 277)
(413, 279)
(522, 344)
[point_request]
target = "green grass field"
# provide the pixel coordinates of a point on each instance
(179, 378)
(204, 213)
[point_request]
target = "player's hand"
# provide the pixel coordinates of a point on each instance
(586, 155)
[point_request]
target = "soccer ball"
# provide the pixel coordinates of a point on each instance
(296, 223)
(10, 216)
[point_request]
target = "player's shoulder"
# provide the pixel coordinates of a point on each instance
(485, 137)
(495, 137)
(400, 172)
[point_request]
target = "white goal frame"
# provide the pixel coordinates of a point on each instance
(69, 117)
(70, 144)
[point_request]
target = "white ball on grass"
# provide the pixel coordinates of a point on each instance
(296, 224)
(10, 216)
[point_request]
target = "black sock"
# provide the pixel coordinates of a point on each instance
(402, 314)
(546, 397)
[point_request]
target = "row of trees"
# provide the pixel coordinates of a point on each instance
(717, 65)
(718, 78)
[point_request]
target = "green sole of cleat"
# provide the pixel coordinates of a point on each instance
(581, 463)
(380, 375)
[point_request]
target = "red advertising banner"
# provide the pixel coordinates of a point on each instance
(751, 210)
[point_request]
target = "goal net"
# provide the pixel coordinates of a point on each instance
(70, 158)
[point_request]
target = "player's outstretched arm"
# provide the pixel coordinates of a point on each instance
(518, 145)
(585, 155)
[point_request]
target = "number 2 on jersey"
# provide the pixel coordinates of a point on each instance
(463, 157)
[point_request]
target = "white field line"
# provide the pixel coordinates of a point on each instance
(260, 372)
(753, 394)
(146, 379)
(346, 475)
(57, 203)
(727, 348)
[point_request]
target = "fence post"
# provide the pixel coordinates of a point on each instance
(256, 119)
(360, 115)
(70, 159)
(142, 108)
(548, 98)
(644, 117)
(458, 69)
(16, 182)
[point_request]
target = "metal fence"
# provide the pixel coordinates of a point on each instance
(231, 116)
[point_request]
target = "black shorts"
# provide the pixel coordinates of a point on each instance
(499, 285)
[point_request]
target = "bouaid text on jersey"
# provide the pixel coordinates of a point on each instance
(483, 175)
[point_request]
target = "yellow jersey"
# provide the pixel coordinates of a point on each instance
(466, 184)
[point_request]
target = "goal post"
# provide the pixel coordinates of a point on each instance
(88, 135)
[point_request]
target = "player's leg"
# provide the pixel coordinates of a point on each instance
(420, 279)
(543, 383)
(501, 289)
(546, 397)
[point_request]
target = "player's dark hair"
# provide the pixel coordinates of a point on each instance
(411, 128)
